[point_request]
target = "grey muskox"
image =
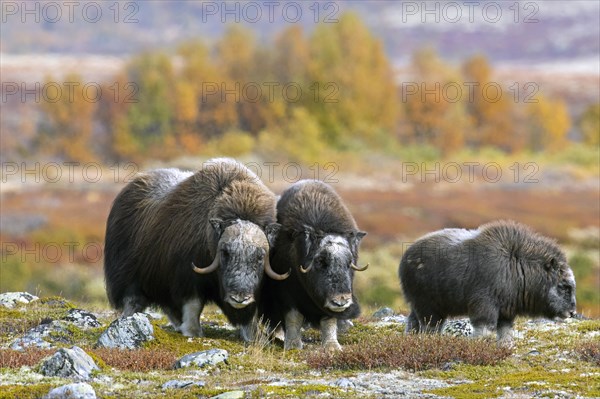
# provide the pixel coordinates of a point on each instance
(318, 241)
(165, 222)
(492, 274)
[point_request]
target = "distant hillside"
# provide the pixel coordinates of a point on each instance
(524, 31)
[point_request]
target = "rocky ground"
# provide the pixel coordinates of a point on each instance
(91, 353)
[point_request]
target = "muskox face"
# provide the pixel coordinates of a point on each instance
(561, 295)
(241, 258)
(328, 268)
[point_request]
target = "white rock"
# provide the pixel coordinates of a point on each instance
(178, 384)
(79, 390)
(210, 357)
(11, 299)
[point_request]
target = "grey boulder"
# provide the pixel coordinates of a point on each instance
(69, 363)
(127, 332)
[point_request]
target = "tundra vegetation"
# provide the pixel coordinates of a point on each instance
(378, 358)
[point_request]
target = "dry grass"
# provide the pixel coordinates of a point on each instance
(136, 359)
(30, 357)
(410, 352)
(589, 351)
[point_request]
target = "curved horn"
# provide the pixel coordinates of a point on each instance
(271, 273)
(210, 268)
(303, 270)
(359, 269)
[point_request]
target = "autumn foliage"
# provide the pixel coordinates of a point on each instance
(299, 95)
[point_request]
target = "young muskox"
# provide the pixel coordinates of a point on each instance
(165, 222)
(318, 241)
(492, 274)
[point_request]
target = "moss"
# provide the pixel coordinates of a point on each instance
(302, 391)
(489, 382)
(56, 302)
(24, 391)
(588, 326)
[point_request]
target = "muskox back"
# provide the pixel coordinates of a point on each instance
(166, 219)
(494, 273)
(318, 242)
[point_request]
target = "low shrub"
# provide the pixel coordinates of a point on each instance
(411, 352)
(30, 357)
(136, 359)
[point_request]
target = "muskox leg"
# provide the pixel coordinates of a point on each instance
(430, 322)
(134, 301)
(504, 332)
(174, 317)
(293, 333)
(191, 318)
(329, 334)
(248, 331)
(412, 323)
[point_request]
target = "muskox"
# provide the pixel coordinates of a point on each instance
(492, 274)
(180, 239)
(318, 241)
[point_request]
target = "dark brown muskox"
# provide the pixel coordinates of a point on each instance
(318, 241)
(492, 274)
(167, 221)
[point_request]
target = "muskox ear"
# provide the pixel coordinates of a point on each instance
(272, 230)
(309, 238)
(218, 225)
(552, 264)
(354, 239)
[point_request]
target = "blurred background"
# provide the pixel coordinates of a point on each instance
(422, 115)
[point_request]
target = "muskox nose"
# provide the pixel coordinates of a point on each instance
(239, 301)
(339, 303)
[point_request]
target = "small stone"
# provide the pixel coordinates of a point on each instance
(230, 395)
(82, 319)
(73, 362)
(11, 299)
(179, 384)
(458, 328)
(210, 357)
(383, 312)
(344, 383)
(79, 390)
(534, 352)
(127, 333)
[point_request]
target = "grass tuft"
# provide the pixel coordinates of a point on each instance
(411, 352)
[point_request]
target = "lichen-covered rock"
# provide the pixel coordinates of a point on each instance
(383, 312)
(127, 333)
(178, 384)
(43, 336)
(11, 299)
(70, 363)
(82, 319)
(80, 390)
(458, 328)
(210, 357)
